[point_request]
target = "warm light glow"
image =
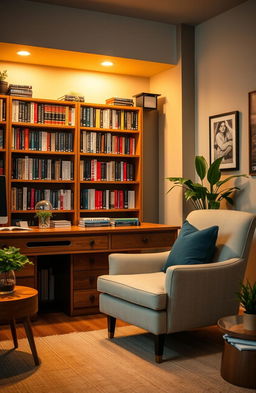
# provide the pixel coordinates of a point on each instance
(107, 63)
(23, 53)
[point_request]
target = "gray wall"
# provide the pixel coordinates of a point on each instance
(225, 73)
(80, 30)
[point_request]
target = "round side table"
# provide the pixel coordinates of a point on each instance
(238, 367)
(21, 305)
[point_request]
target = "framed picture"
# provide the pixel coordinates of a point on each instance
(252, 133)
(224, 139)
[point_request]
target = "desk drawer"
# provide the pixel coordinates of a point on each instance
(59, 244)
(90, 262)
(86, 298)
(87, 279)
(142, 240)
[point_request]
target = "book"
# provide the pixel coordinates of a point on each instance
(14, 228)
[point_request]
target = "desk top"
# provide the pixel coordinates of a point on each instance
(76, 230)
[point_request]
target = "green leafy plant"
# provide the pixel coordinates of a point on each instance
(202, 196)
(12, 259)
(43, 215)
(3, 75)
(247, 296)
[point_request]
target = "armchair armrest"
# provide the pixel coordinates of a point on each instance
(137, 263)
(198, 295)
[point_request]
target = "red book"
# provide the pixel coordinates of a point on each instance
(35, 112)
(125, 171)
(32, 199)
(121, 199)
(98, 174)
(96, 199)
(26, 138)
(100, 199)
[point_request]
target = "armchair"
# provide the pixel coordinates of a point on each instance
(186, 296)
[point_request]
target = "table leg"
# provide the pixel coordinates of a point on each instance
(29, 332)
(14, 333)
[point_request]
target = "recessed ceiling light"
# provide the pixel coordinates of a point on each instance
(107, 63)
(23, 53)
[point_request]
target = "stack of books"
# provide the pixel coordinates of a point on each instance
(20, 90)
(118, 222)
(120, 101)
(69, 97)
(94, 222)
(241, 344)
(60, 224)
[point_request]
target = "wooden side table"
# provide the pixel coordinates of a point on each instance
(238, 367)
(21, 305)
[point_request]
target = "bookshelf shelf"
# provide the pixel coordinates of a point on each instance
(97, 129)
(34, 211)
(110, 155)
(107, 182)
(43, 125)
(41, 181)
(55, 153)
(108, 210)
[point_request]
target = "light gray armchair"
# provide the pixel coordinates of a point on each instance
(186, 296)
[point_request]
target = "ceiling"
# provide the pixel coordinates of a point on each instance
(190, 12)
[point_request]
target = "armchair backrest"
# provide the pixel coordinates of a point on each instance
(236, 230)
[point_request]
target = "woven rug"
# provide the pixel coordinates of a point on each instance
(89, 362)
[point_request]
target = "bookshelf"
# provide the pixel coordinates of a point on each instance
(85, 158)
(109, 160)
(42, 157)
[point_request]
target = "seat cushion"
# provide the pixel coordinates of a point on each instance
(192, 246)
(146, 290)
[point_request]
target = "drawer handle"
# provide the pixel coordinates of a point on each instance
(92, 242)
(92, 298)
(145, 240)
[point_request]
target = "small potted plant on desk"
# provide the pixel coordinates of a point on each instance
(247, 296)
(10, 260)
(3, 83)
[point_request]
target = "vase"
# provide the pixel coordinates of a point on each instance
(249, 321)
(7, 282)
(44, 222)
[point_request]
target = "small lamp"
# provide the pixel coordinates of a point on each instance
(147, 100)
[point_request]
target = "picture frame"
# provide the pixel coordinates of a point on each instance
(252, 132)
(224, 139)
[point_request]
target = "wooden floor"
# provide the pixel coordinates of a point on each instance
(48, 324)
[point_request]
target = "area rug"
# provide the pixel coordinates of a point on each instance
(88, 362)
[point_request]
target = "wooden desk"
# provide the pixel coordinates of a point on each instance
(79, 255)
(21, 304)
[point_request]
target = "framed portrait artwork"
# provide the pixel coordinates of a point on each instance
(252, 133)
(224, 139)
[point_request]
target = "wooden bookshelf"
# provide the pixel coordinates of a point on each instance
(4, 116)
(42, 157)
(35, 149)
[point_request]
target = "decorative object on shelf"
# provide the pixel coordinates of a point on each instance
(43, 212)
(20, 90)
(10, 260)
(71, 97)
(252, 133)
(3, 83)
(206, 197)
(119, 101)
(224, 139)
(147, 100)
(247, 296)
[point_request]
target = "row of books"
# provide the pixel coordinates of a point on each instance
(94, 170)
(119, 101)
(2, 109)
(20, 90)
(41, 140)
(2, 134)
(92, 199)
(35, 112)
(25, 198)
(29, 168)
(106, 221)
(104, 142)
(46, 285)
(116, 119)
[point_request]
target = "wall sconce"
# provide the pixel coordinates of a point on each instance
(147, 100)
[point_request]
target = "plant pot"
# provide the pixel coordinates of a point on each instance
(7, 282)
(44, 222)
(249, 321)
(3, 87)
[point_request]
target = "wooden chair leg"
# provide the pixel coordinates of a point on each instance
(111, 326)
(14, 333)
(159, 347)
(29, 332)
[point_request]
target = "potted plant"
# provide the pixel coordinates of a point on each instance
(10, 260)
(3, 83)
(247, 296)
(43, 212)
(206, 196)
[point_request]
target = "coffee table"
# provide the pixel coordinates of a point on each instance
(20, 305)
(238, 367)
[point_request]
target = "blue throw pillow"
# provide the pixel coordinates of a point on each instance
(192, 246)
